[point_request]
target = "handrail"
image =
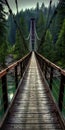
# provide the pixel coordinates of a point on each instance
(51, 64)
(17, 69)
(3, 72)
(55, 77)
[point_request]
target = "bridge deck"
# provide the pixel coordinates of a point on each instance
(32, 108)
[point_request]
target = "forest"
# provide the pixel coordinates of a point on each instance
(14, 45)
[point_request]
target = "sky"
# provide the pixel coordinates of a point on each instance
(23, 4)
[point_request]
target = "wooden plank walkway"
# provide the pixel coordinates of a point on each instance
(32, 108)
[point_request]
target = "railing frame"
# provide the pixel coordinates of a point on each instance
(22, 63)
(61, 94)
(52, 67)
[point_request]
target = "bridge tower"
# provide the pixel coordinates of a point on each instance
(32, 44)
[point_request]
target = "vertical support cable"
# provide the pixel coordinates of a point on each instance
(16, 6)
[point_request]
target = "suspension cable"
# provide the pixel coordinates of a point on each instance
(27, 37)
(10, 11)
(16, 5)
(48, 13)
(37, 35)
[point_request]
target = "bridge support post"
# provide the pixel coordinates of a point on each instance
(61, 94)
(16, 77)
(4, 91)
(51, 78)
(21, 69)
(41, 65)
(23, 66)
(45, 69)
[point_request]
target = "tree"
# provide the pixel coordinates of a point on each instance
(42, 7)
(40, 24)
(3, 42)
(23, 26)
(37, 6)
(2, 23)
(57, 22)
(3, 53)
(11, 29)
(60, 44)
(19, 47)
(47, 48)
(61, 13)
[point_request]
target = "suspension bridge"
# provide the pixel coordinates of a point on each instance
(33, 105)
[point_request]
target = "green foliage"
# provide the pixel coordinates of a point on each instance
(11, 30)
(61, 13)
(42, 7)
(54, 46)
(3, 42)
(2, 23)
(57, 22)
(40, 24)
(48, 46)
(60, 44)
(24, 26)
(19, 47)
(3, 53)
(37, 6)
(54, 51)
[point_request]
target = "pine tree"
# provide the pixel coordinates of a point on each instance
(40, 24)
(2, 23)
(24, 26)
(42, 7)
(57, 22)
(3, 42)
(37, 6)
(19, 47)
(47, 49)
(60, 44)
(11, 29)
